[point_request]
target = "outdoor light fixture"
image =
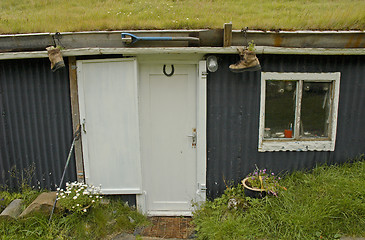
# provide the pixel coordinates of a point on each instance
(212, 63)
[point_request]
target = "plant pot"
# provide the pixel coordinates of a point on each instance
(252, 191)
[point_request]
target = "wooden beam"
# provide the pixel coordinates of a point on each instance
(76, 117)
(184, 50)
(227, 38)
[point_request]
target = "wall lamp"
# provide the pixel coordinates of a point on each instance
(212, 63)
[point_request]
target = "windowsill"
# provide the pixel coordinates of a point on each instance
(295, 145)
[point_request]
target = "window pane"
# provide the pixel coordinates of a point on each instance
(315, 110)
(279, 109)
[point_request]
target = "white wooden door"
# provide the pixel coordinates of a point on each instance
(109, 115)
(168, 120)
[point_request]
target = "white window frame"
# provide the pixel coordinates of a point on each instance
(285, 144)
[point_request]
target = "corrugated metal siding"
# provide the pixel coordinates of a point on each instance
(35, 125)
(233, 118)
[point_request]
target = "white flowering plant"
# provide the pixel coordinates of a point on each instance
(78, 197)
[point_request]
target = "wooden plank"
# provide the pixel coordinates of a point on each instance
(227, 37)
(76, 117)
(185, 50)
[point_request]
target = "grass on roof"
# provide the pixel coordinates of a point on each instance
(24, 16)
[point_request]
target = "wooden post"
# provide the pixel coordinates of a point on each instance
(76, 117)
(227, 38)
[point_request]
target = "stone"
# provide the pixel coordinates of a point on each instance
(13, 210)
(42, 204)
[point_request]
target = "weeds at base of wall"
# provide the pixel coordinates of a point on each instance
(325, 203)
(23, 179)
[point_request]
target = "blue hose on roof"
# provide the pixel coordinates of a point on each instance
(131, 38)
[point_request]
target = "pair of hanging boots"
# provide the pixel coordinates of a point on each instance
(248, 61)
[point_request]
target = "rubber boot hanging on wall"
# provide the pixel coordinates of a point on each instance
(55, 56)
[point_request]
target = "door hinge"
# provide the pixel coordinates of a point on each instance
(193, 138)
(83, 125)
(202, 187)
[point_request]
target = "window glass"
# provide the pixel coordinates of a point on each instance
(315, 110)
(279, 109)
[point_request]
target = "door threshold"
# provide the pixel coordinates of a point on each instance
(169, 213)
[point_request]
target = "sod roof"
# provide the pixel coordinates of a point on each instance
(27, 16)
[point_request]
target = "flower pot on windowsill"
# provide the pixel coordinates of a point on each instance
(252, 191)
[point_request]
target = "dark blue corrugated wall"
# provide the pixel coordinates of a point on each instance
(233, 118)
(35, 123)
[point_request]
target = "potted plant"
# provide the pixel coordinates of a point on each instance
(260, 183)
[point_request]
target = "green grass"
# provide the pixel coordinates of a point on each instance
(326, 203)
(23, 16)
(100, 223)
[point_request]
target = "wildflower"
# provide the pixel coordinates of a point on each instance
(84, 210)
(77, 205)
(93, 201)
(75, 197)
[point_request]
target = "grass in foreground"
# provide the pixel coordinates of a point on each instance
(23, 16)
(100, 223)
(326, 203)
